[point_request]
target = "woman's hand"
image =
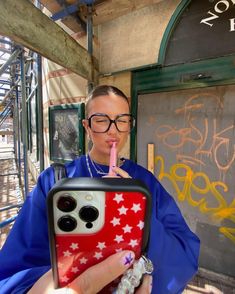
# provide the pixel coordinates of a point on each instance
(93, 279)
(121, 173)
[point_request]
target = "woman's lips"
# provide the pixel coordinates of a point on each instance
(111, 141)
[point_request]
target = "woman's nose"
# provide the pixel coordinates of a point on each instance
(112, 129)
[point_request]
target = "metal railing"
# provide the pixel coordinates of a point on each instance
(11, 219)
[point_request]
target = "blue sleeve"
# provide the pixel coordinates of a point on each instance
(22, 281)
(173, 248)
(25, 256)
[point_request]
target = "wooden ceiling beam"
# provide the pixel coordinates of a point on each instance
(109, 10)
(104, 10)
(25, 24)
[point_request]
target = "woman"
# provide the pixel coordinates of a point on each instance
(173, 248)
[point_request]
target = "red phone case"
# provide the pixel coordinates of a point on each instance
(126, 225)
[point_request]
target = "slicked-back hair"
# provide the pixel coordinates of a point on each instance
(104, 90)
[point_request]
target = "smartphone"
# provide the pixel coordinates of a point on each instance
(92, 218)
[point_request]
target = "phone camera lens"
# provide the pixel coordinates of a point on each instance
(89, 225)
(66, 203)
(88, 213)
(67, 223)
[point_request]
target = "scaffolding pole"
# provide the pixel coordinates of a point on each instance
(40, 114)
(9, 92)
(19, 135)
(14, 55)
(90, 41)
(24, 124)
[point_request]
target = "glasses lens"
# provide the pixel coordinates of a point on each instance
(99, 123)
(124, 123)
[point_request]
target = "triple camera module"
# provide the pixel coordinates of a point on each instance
(68, 204)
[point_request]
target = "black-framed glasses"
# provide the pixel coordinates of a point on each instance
(101, 123)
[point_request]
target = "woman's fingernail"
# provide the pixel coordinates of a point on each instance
(128, 258)
(150, 284)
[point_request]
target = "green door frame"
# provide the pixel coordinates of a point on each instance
(204, 73)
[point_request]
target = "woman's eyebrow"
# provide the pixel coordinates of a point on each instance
(105, 114)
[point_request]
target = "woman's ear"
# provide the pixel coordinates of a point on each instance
(85, 124)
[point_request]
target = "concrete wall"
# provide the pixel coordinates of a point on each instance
(134, 39)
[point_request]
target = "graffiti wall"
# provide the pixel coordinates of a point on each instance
(193, 132)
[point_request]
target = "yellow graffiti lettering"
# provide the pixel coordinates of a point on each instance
(222, 204)
(162, 174)
(184, 179)
(228, 232)
(228, 212)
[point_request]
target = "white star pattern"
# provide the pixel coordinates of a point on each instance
(74, 269)
(136, 207)
(140, 225)
(74, 246)
(127, 229)
(98, 255)
(118, 238)
(115, 221)
(64, 279)
(67, 253)
(124, 223)
(83, 260)
(133, 243)
(122, 210)
(101, 245)
(118, 198)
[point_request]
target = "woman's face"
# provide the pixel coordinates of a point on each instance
(111, 105)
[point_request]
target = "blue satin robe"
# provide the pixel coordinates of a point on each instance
(173, 248)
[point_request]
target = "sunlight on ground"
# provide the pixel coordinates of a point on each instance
(208, 289)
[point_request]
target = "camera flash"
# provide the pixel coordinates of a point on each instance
(89, 197)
